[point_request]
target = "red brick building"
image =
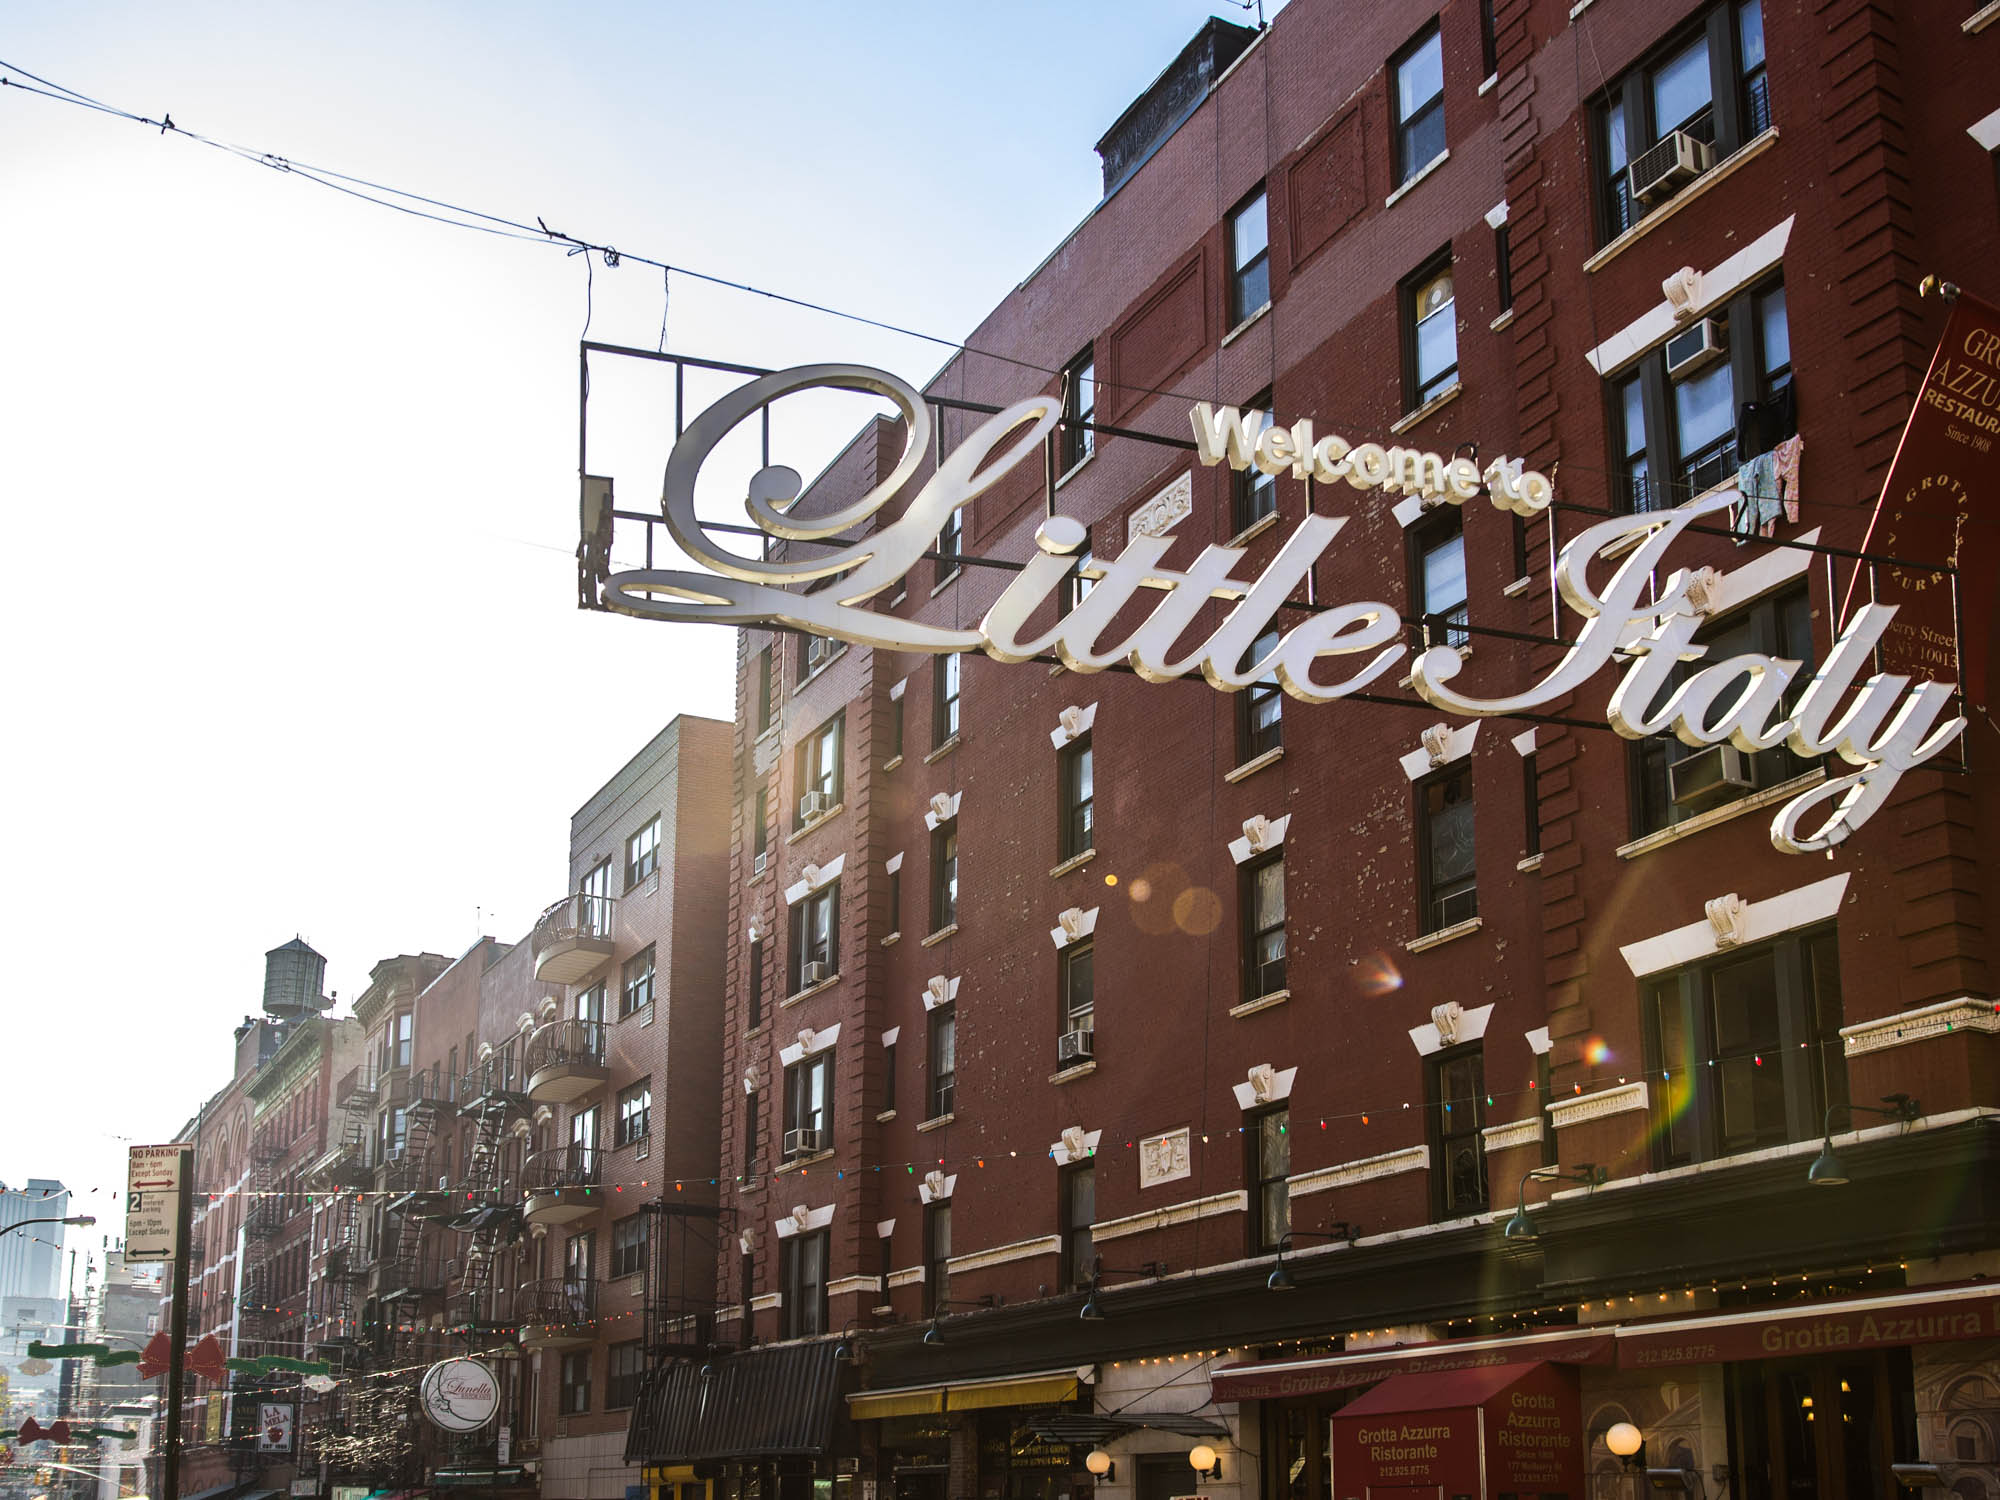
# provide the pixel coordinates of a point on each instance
(1128, 1067)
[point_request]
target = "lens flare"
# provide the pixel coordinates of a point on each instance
(1596, 1051)
(1377, 974)
(1197, 911)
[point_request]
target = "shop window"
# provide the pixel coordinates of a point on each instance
(937, 1257)
(1745, 1048)
(1263, 884)
(1682, 428)
(635, 1113)
(1260, 709)
(1455, 1094)
(1079, 441)
(637, 991)
(803, 1272)
(945, 677)
(1689, 105)
(944, 1061)
(1419, 104)
(817, 771)
(574, 1394)
(1249, 257)
(1076, 787)
(1430, 333)
(642, 853)
(1078, 1205)
(1437, 581)
(944, 875)
(815, 945)
(624, 1369)
(808, 1114)
(1672, 782)
(1267, 1135)
(1448, 892)
(628, 1246)
(1253, 494)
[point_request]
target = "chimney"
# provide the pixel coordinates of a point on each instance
(1173, 96)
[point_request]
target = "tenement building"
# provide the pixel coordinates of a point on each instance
(1136, 1084)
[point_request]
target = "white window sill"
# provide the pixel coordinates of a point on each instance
(942, 751)
(1746, 153)
(1501, 323)
(892, 939)
(760, 878)
(1255, 529)
(1074, 862)
(1488, 83)
(1075, 469)
(811, 823)
(767, 731)
(810, 990)
(799, 1163)
(816, 673)
(1529, 865)
(1519, 586)
(1071, 1074)
(1784, 791)
(1418, 176)
(1246, 325)
(949, 930)
(1980, 19)
(892, 762)
(936, 1122)
(885, 1117)
(1262, 1002)
(1428, 410)
(947, 581)
(1255, 764)
(1443, 935)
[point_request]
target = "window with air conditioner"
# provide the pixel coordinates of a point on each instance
(808, 1116)
(1744, 1049)
(815, 938)
(1673, 782)
(1691, 103)
(817, 771)
(1447, 880)
(815, 651)
(1077, 1020)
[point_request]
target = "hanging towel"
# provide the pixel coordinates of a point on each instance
(1787, 455)
(1757, 509)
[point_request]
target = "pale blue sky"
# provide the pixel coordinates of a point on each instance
(290, 480)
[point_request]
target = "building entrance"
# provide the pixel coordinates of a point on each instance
(1823, 1429)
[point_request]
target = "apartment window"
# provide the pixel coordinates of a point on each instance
(1076, 587)
(896, 727)
(1747, 1049)
(760, 835)
(589, 1004)
(1419, 71)
(944, 875)
(1489, 41)
(944, 699)
(1079, 1002)
(1268, 1135)
(1076, 787)
(817, 770)
(756, 995)
(895, 901)
(628, 1246)
(815, 945)
(1681, 430)
(583, 1138)
(1503, 267)
(1672, 782)
(635, 1113)
(1707, 83)
(404, 1023)
(574, 1396)
(1456, 1089)
(1430, 333)
(596, 914)
(1078, 1209)
(765, 702)
(1264, 926)
(803, 1271)
(637, 992)
(1447, 892)
(937, 1257)
(1544, 1081)
(950, 542)
(1260, 712)
(1253, 494)
(1531, 803)
(624, 1369)
(889, 1078)
(944, 1060)
(1437, 555)
(808, 1116)
(885, 1264)
(751, 1143)
(1079, 410)
(642, 853)
(1249, 257)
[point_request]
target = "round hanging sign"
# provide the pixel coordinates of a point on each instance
(460, 1395)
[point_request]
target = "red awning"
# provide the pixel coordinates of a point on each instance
(1507, 1428)
(1403, 1393)
(1269, 1380)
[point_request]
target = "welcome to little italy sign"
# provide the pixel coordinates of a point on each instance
(1881, 724)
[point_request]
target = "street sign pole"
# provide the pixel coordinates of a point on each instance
(177, 1331)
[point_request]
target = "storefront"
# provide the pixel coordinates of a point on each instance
(764, 1424)
(984, 1430)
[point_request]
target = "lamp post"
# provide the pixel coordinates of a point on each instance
(82, 1220)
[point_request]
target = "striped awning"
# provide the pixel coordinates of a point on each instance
(761, 1403)
(1043, 1388)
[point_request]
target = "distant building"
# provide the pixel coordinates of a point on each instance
(31, 1260)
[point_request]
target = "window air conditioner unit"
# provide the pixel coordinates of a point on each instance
(811, 805)
(800, 1142)
(759, 861)
(819, 651)
(444, 1182)
(1658, 172)
(1709, 777)
(1697, 346)
(813, 973)
(1075, 1047)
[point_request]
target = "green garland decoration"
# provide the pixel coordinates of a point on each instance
(105, 1357)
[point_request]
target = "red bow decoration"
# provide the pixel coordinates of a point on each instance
(205, 1359)
(154, 1358)
(33, 1431)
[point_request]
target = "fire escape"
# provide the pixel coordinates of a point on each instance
(409, 1269)
(344, 1170)
(493, 1097)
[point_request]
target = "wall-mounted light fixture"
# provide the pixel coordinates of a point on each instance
(1280, 1279)
(1521, 1227)
(1826, 1170)
(1206, 1462)
(1100, 1465)
(1091, 1312)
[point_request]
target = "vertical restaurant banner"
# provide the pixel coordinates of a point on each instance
(1936, 506)
(274, 1427)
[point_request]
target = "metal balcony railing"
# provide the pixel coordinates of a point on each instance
(561, 1167)
(556, 1300)
(499, 1074)
(576, 1043)
(575, 916)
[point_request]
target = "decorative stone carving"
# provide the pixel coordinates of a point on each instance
(1447, 1018)
(934, 1181)
(1436, 741)
(806, 1037)
(938, 990)
(1730, 917)
(1072, 923)
(1257, 833)
(812, 877)
(1263, 1078)
(941, 809)
(749, 1080)
(1704, 590)
(1164, 511)
(1683, 292)
(1164, 1158)
(746, 1242)
(801, 1217)
(1075, 1140)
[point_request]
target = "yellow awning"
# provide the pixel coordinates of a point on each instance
(1035, 1390)
(919, 1403)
